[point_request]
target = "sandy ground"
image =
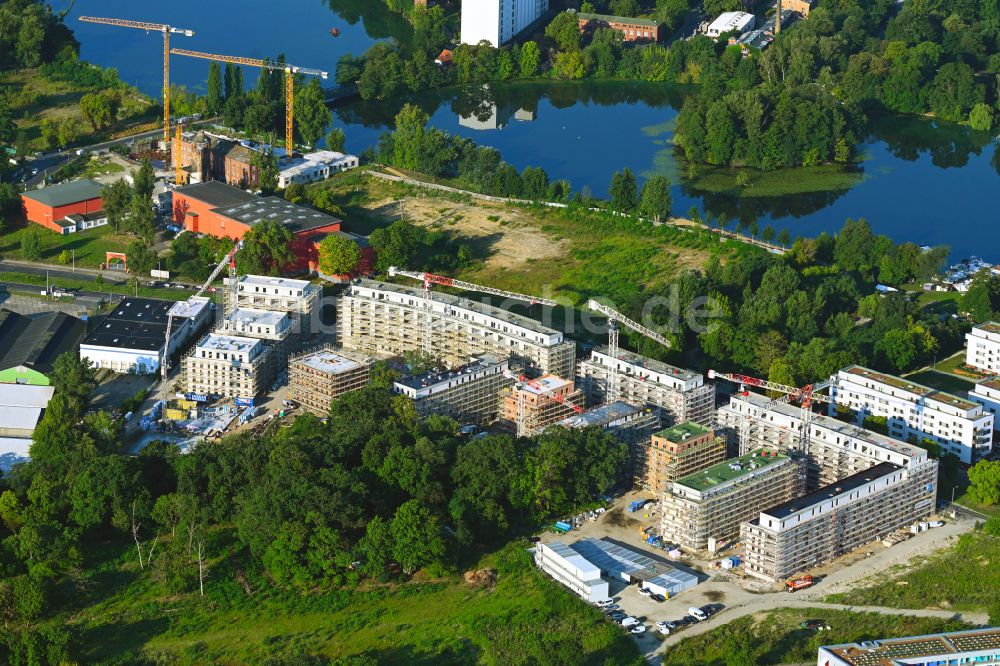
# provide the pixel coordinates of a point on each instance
(504, 232)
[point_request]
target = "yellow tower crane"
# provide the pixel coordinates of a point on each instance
(148, 27)
(290, 72)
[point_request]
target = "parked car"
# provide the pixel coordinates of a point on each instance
(686, 620)
(664, 624)
(628, 622)
(604, 603)
(698, 614)
(658, 598)
(645, 591)
(638, 629)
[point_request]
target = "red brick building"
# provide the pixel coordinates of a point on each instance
(217, 209)
(632, 29)
(51, 205)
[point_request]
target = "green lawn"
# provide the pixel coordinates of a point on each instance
(119, 612)
(942, 381)
(776, 637)
(964, 577)
(89, 245)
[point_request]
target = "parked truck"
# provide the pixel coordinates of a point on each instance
(797, 584)
(637, 505)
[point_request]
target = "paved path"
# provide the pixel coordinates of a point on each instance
(860, 573)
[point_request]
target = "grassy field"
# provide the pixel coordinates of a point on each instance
(942, 381)
(823, 178)
(36, 98)
(964, 577)
(120, 613)
(776, 637)
(89, 246)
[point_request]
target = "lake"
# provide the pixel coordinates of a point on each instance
(917, 179)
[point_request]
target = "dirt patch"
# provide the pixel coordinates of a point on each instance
(503, 233)
(485, 578)
(715, 595)
(617, 518)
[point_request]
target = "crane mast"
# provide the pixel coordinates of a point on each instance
(290, 72)
(167, 30)
(616, 318)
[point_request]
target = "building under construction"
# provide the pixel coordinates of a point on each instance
(228, 367)
(705, 508)
(385, 319)
(629, 424)
(275, 328)
(319, 376)
(530, 406)
(864, 485)
(676, 452)
(299, 298)
(468, 393)
(811, 530)
(681, 395)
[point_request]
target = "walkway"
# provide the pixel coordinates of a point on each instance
(676, 222)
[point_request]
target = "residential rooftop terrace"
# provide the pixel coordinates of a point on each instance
(732, 469)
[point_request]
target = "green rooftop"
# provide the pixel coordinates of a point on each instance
(65, 194)
(608, 18)
(731, 469)
(683, 432)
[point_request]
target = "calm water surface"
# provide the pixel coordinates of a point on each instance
(918, 180)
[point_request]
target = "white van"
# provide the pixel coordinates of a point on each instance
(629, 622)
(697, 613)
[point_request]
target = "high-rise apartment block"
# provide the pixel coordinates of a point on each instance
(318, 377)
(982, 347)
(676, 452)
(228, 366)
(498, 21)
(469, 393)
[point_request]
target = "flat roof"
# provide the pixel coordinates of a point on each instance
(905, 384)
(729, 470)
(191, 308)
(253, 316)
(136, 323)
(65, 194)
(611, 557)
(600, 416)
(269, 281)
(641, 361)
(297, 219)
(459, 302)
(727, 21)
(24, 395)
(944, 645)
(436, 376)
(544, 384)
(332, 362)
(575, 560)
(233, 343)
(216, 194)
(142, 310)
(839, 487)
(608, 18)
(683, 431)
(989, 327)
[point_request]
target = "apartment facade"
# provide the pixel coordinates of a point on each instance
(228, 366)
(469, 393)
(813, 529)
(530, 406)
(987, 394)
(982, 347)
(710, 505)
(298, 298)
(681, 395)
(915, 412)
(385, 319)
(498, 21)
(676, 452)
(317, 377)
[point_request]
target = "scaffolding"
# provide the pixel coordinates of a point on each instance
(467, 394)
(712, 503)
(273, 327)
(527, 410)
(298, 298)
(384, 319)
(319, 376)
(678, 452)
(228, 367)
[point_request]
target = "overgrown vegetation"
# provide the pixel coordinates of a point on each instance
(960, 578)
(776, 637)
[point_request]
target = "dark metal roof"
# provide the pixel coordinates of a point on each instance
(65, 194)
(36, 342)
(835, 489)
(216, 194)
(137, 323)
(297, 219)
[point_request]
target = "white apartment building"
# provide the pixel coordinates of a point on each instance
(972, 646)
(987, 394)
(982, 347)
(315, 166)
(915, 412)
(681, 395)
(384, 319)
(228, 366)
(299, 298)
(498, 21)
